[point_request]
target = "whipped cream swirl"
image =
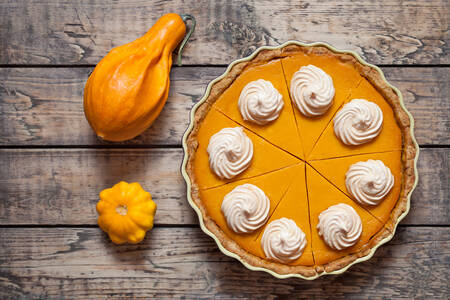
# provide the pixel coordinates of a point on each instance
(312, 91)
(230, 152)
(358, 122)
(369, 181)
(340, 226)
(246, 208)
(283, 240)
(260, 102)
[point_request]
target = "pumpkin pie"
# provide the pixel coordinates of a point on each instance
(300, 160)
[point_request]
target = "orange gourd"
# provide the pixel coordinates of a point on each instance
(126, 212)
(129, 86)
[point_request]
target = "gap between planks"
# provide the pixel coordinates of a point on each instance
(131, 146)
(72, 66)
(175, 226)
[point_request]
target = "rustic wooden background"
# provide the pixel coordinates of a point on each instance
(52, 167)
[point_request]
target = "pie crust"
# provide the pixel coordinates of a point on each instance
(409, 159)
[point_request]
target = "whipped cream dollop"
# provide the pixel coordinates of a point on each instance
(283, 240)
(369, 181)
(230, 152)
(259, 102)
(312, 91)
(246, 208)
(340, 226)
(358, 122)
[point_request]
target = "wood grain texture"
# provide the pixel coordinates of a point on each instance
(82, 32)
(62, 186)
(50, 246)
(53, 186)
(44, 106)
(49, 263)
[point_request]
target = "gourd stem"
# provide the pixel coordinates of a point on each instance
(186, 17)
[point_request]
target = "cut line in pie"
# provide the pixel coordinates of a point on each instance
(274, 185)
(389, 139)
(334, 171)
(272, 72)
(345, 78)
(322, 194)
(214, 122)
(294, 206)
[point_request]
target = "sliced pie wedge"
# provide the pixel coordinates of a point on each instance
(345, 78)
(266, 157)
(334, 171)
(389, 139)
(294, 205)
(282, 131)
(322, 195)
(274, 185)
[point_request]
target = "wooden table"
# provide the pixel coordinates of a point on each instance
(52, 166)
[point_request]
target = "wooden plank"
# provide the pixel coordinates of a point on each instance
(62, 186)
(425, 92)
(183, 262)
(53, 186)
(81, 32)
(434, 169)
(44, 106)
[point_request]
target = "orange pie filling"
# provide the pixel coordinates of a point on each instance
(299, 160)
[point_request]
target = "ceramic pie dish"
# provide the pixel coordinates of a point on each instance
(309, 180)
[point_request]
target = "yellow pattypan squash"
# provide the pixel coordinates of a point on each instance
(126, 211)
